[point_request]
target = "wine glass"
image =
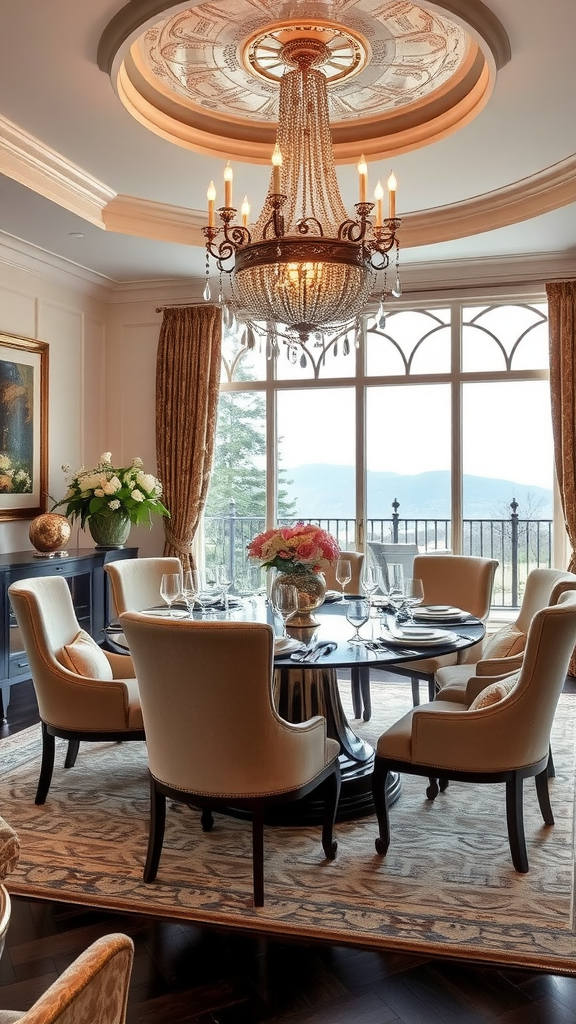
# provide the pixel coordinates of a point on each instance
(395, 585)
(284, 602)
(370, 580)
(170, 589)
(224, 581)
(357, 613)
(413, 595)
(191, 588)
(343, 573)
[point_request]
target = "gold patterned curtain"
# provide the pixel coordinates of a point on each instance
(562, 320)
(187, 385)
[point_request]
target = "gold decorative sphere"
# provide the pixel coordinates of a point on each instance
(49, 532)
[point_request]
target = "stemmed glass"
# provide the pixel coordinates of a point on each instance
(395, 585)
(370, 580)
(413, 595)
(343, 573)
(170, 589)
(191, 585)
(284, 599)
(224, 582)
(357, 613)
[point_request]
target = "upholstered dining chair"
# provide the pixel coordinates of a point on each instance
(135, 582)
(504, 736)
(381, 554)
(465, 581)
(356, 559)
(213, 736)
(93, 988)
(502, 653)
(83, 692)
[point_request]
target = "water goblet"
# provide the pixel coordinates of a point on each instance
(224, 581)
(343, 573)
(357, 613)
(413, 595)
(191, 588)
(170, 589)
(284, 599)
(395, 593)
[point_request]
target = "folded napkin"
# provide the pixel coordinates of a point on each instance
(286, 645)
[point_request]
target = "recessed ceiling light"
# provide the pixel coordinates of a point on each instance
(76, 234)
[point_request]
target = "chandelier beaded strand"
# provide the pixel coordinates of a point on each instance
(304, 264)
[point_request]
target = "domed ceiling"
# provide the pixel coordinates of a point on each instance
(400, 74)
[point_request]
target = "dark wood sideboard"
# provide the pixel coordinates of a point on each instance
(82, 570)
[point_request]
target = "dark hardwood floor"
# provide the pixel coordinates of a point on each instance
(184, 973)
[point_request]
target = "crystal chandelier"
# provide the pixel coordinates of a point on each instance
(304, 268)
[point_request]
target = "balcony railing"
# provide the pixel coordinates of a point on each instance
(519, 545)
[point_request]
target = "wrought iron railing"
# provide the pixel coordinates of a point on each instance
(519, 545)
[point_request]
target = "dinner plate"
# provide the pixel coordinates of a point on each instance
(164, 613)
(407, 639)
(332, 595)
(439, 613)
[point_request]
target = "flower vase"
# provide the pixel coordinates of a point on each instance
(311, 587)
(109, 531)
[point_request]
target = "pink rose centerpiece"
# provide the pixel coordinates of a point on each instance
(299, 553)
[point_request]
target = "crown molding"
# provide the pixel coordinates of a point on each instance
(28, 161)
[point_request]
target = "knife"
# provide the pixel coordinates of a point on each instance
(326, 647)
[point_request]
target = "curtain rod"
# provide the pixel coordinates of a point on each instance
(182, 305)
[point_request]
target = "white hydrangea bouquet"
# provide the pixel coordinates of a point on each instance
(107, 490)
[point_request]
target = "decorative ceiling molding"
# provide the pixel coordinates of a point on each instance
(205, 76)
(28, 161)
(44, 171)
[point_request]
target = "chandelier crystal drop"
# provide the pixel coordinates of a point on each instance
(304, 268)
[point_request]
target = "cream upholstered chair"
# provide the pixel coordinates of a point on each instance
(502, 653)
(504, 736)
(135, 582)
(356, 559)
(381, 554)
(83, 692)
(213, 736)
(464, 581)
(93, 989)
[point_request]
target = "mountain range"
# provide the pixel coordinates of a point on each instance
(322, 491)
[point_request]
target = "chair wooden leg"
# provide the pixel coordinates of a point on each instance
(550, 767)
(415, 681)
(156, 832)
(47, 766)
(72, 753)
(207, 820)
(379, 779)
(431, 688)
(543, 795)
(515, 822)
(258, 853)
(331, 792)
(432, 789)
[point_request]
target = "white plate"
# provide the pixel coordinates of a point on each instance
(439, 613)
(406, 639)
(286, 645)
(332, 595)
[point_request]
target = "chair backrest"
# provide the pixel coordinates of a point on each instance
(135, 582)
(464, 581)
(94, 987)
(520, 727)
(543, 587)
(206, 694)
(47, 620)
(381, 553)
(356, 559)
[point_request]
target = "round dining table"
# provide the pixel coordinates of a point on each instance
(309, 686)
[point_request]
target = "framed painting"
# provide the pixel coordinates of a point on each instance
(23, 427)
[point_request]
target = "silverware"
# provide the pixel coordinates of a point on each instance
(321, 649)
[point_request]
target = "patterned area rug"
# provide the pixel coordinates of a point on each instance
(446, 888)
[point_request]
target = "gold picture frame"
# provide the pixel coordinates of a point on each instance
(23, 427)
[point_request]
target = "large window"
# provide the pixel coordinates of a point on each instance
(433, 427)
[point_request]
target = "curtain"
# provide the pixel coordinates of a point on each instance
(562, 321)
(187, 386)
